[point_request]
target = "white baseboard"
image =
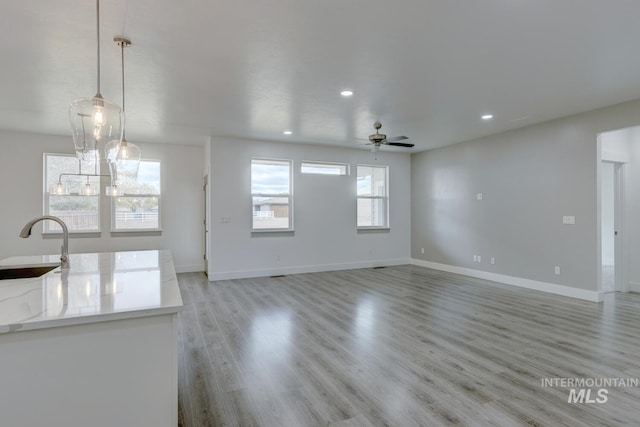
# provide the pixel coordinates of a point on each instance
(193, 268)
(552, 288)
(634, 286)
(247, 274)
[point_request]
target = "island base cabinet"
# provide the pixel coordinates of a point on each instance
(103, 374)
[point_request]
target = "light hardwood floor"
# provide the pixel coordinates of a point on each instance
(399, 346)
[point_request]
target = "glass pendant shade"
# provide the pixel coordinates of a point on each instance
(94, 123)
(112, 190)
(88, 189)
(124, 160)
(59, 189)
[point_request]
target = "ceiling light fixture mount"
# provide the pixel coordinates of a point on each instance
(95, 121)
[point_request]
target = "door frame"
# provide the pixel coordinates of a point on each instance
(619, 225)
(620, 284)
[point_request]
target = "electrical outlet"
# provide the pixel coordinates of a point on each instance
(479, 258)
(493, 260)
(479, 196)
(557, 270)
(422, 251)
(475, 258)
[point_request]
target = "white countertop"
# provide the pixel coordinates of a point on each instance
(96, 288)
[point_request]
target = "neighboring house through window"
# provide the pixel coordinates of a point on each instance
(271, 194)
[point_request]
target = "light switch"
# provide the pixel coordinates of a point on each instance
(225, 219)
(569, 220)
(479, 196)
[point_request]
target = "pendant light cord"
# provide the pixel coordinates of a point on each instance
(122, 59)
(124, 130)
(98, 39)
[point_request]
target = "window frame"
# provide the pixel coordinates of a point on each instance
(46, 199)
(346, 166)
(289, 196)
(114, 229)
(385, 198)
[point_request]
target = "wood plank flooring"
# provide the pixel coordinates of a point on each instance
(398, 346)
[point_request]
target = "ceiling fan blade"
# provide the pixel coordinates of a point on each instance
(397, 138)
(400, 144)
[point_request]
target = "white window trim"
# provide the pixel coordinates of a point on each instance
(387, 223)
(289, 196)
(47, 193)
(138, 230)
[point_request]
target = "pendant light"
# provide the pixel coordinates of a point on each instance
(123, 156)
(95, 121)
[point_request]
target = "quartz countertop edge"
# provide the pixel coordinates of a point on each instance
(98, 287)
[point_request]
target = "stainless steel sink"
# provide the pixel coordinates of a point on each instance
(25, 272)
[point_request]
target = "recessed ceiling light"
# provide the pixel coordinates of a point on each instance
(346, 93)
(487, 117)
(287, 132)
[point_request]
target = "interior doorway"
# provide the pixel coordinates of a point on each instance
(611, 225)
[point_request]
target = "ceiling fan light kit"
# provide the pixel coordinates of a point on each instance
(378, 139)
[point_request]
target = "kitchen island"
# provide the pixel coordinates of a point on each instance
(92, 345)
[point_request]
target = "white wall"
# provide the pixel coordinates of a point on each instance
(325, 236)
(530, 178)
(21, 192)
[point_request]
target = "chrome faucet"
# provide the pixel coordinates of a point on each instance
(64, 257)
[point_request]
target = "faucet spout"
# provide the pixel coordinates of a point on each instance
(64, 256)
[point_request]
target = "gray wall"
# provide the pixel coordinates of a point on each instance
(325, 236)
(530, 178)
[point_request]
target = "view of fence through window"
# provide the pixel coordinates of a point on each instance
(271, 194)
(372, 196)
(79, 212)
(138, 208)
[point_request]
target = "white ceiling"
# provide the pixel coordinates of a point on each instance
(426, 68)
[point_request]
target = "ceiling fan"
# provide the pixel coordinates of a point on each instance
(377, 139)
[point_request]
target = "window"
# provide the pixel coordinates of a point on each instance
(81, 213)
(373, 196)
(138, 206)
(271, 195)
(323, 168)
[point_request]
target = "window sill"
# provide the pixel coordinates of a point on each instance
(272, 232)
(371, 230)
(80, 234)
(134, 232)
